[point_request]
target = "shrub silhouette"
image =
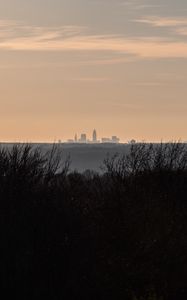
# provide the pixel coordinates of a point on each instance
(116, 235)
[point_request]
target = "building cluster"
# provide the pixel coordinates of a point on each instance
(84, 140)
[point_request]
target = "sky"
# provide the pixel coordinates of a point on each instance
(69, 66)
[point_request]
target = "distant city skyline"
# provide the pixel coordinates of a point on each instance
(84, 139)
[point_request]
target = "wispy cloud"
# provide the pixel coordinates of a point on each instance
(13, 29)
(163, 22)
(19, 37)
(181, 31)
(139, 5)
(177, 26)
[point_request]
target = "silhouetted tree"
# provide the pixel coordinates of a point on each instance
(120, 234)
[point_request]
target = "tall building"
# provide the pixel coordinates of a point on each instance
(106, 140)
(94, 136)
(115, 139)
(83, 138)
(76, 139)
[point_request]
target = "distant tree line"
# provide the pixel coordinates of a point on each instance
(121, 234)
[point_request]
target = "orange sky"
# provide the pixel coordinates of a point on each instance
(118, 66)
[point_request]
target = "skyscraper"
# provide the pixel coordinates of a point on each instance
(83, 138)
(94, 136)
(115, 139)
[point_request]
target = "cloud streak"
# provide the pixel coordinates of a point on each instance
(18, 37)
(163, 22)
(177, 26)
(181, 31)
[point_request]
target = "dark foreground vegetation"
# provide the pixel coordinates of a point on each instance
(118, 235)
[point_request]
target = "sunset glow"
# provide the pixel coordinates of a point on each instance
(119, 66)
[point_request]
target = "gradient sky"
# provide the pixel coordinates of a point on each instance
(69, 66)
